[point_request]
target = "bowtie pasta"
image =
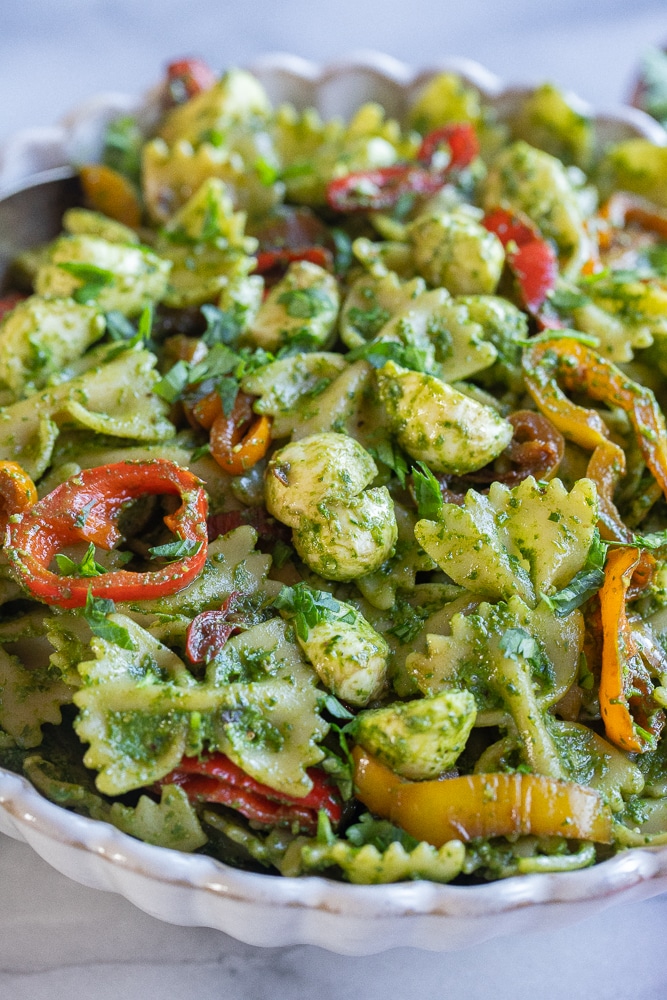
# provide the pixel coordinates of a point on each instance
(333, 470)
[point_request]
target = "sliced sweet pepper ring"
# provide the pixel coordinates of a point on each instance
(86, 508)
(632, 720)
(240, 440)
(217, 779)
(482, 805)
(17, 492)
(530, 258)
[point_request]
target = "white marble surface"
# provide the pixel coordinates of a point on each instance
(59, 939)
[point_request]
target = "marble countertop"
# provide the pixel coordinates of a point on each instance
(59, 939)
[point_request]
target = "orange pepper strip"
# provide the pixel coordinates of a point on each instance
(482, 805)
(17, 492)
(86, 508)
(632, 720)
(577, 367)
(623, 208)
(234, 451)
(497, 805)
(373, 782)
(106, 190)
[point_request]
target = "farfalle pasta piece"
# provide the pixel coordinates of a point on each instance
(141, 712)
(114, 397)
(40, 337)
(529, 540)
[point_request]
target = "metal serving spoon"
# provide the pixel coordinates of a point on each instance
(32, 214)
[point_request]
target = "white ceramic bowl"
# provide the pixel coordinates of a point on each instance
(262, 909)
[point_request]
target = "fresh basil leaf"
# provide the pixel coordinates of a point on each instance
(227, 389)
(88, 567)
(94, 279)
(173, 551)
(95, 612)
(170, 387)
(391, 455)
(118, 326)
(583, 584)
(427, 493)
(222, 327)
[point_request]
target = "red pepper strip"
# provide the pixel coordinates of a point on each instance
(218, 779)
(188, 77)
(268, 527)
(530, 258)
(269, 260)
(209, 631)
(461, 139)
(379, 189)
(86, 508)
(9, 302)
(631, 717)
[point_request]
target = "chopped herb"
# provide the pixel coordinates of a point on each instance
(343, 256)
(567, 299)
(282, 553)
(227, 389)
(583, 584)
(378, 352)
(82, 516)
(334, 707)
(95, 612)
(173, 551)
(308, 607)
(427, 493)
(391, 455)
(118, 326)
(87, 567)
(203, 449)
(516, 642)
(222, 327)
(94, 279)
(123, 142)
(170, 387)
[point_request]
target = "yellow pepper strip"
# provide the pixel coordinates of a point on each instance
(565, 361)
(374, 782)
(17, 492)
(632, 720)
(482, 805)
(109, 192)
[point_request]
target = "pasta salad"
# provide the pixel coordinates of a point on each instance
(333, 469)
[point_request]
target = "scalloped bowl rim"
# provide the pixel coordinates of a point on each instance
(198, 890)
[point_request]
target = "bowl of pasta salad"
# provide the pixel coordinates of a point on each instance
(333, 469)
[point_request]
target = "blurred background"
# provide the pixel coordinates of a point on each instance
(55, 54)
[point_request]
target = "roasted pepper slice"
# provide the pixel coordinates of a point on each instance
(240, 440)
(632, 720)
(564, 361)
(381, 188)
(482, 805)
(531, 259)
(218, 779)
(86, 508)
